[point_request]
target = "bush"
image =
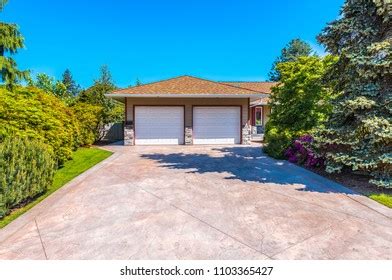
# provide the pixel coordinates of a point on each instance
(277, 141)
(26, 170)
(302, 152)
(31, 112)
(89, 117)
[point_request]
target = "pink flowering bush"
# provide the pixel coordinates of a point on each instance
(302, 152)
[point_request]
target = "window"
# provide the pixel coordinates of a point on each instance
(259, 116)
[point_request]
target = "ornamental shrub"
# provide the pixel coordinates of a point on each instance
(278, 140)
(33, 113)
(26, 170)
(302, 152)
(88, 116)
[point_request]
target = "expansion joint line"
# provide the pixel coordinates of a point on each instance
(40, 238)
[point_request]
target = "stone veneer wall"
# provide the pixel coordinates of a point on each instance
(188, 135)
(246, 134)
(129, 135)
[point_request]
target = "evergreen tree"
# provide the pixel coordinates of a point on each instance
(138, 82)
(96, 93)
(294, 49)
(105, 77)
(10, 41)
(71, 86)
(358, 135)
(112, 111)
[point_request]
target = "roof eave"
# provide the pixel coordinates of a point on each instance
(177, 95)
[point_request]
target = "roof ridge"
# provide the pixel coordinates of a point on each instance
(270, 82)
(164, 80)
(220, 83)
(193, 77)
(240, 87)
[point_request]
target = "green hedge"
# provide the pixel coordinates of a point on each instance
(277, 141)
(31, 112)
(89, 118)
(26, 170)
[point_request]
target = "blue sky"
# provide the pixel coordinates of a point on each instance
(152, 40)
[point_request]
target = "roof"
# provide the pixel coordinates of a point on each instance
(260, 101)
(187, 85)
(264, 87)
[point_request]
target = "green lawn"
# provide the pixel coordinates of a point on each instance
(382, 198)
(82, 159)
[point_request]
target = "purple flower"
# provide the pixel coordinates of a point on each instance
(301, 151)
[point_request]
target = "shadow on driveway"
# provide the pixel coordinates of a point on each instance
(248, 164)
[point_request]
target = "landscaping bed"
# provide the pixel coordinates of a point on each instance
(358, 183)
(82, 160)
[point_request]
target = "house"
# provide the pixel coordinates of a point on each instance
(259, 109)
(189, 110)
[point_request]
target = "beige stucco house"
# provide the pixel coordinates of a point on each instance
(188, 110)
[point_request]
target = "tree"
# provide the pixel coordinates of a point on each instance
(299, 103)
(358, 134)
(105, 77)
(96, 93)
(138, 82)
(10, 41)
(112, 111)
(294, 49)
(50, 85)
(71, 86)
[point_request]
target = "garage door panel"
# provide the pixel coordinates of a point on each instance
(216, 125)
(159, 125)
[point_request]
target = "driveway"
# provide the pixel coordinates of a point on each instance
(200, 202)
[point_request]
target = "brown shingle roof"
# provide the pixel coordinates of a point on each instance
(187, 85)
(264, 87)
(260, 101)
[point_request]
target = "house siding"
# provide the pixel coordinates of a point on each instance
(188, 104)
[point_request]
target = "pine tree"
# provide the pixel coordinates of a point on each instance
(72, 88)
(358, 135)
(294, 49)
(10, 41)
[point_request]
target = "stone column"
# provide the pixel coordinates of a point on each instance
(246, 134)
(188, 135)
(129, 135)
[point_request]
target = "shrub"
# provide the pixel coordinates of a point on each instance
(26, 170)
(31, 112)
(302, 152)
(277, 141)
(89, 117)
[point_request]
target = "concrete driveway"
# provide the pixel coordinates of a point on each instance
(200, 202)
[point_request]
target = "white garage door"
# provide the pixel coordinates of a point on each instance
(156, 125)
(216, 125)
